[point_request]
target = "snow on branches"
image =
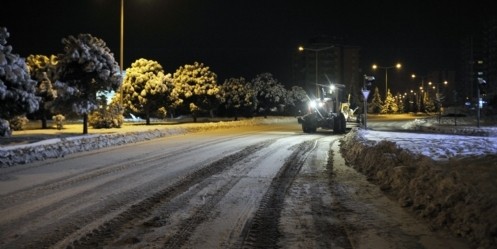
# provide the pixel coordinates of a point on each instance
(17, 90)
(269, 93)
(146, 88)
(85, 68)
(196, 88)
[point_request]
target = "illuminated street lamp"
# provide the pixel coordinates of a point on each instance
(316, 50)
(121, 53)
(398, 66)
(421, 90)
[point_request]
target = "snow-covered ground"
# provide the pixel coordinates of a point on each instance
(448, 179)
(431, 144)
(436, 146)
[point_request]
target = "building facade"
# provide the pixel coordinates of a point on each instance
(478, 59)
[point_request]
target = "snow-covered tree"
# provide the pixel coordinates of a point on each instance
(43, 70)
(236, 94)
(376, 102)
(428, 103)
(146, 88)
(296, 97)
(17, 89)
(268, 92)
(106, 115)
(390, 104)
(86, 67)
(196, 89)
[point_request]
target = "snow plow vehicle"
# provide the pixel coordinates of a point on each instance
(326, 113)
(320, 115)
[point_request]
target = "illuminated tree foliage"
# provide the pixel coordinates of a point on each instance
(85, 68)
(17, 90)
(147, 89)
(268, 92)
(196, 88)
(236, 95)
(390, 104)
(106, 115)
(43, 71)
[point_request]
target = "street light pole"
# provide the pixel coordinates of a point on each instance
(121, 50)
(421, 90)
(398, 66)
(122, 35)
(316, 50)
(318, 93)
(438, 98)
(386, 82)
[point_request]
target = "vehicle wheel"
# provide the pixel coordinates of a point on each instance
(340, 124)
(304, 128)
(308, 127)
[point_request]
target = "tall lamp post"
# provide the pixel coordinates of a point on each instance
(398, 66)
(121, 53)
(421, 90)
(316, 50)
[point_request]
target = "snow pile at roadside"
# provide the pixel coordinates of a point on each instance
(436, 146)
(452, 125)
(59, 147)
(457, 192)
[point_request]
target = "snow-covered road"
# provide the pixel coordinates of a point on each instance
(262, 186)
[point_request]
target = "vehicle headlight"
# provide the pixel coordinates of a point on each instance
(312, 104)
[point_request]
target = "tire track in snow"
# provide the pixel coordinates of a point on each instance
(140, 211)
(105, 169)
(77, 204)
(262, 231)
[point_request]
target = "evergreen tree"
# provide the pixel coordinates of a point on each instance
(389, 105)
(428, 103)
(17, 89)
(376, 103)
(195, 88)
(85, 68)
(106, 115)
(43, 70)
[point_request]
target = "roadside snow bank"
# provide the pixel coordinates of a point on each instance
(60, 147)
(450, 125)
(459, 194)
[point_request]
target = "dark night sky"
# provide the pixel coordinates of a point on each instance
(247, 37)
